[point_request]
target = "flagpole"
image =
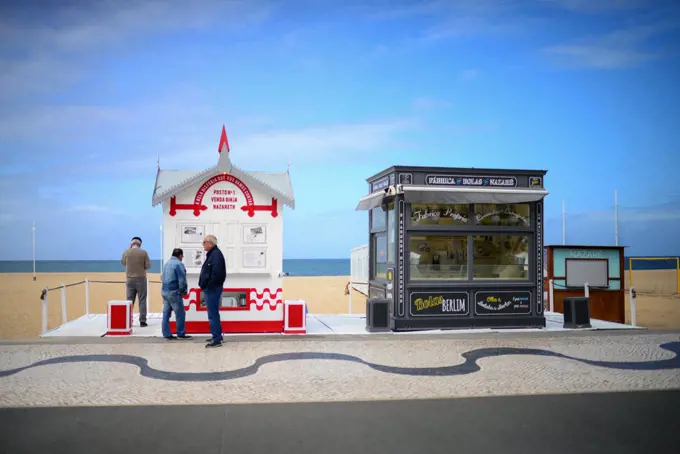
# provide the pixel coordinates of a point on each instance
(564, 224)
(616, 216)
(33, 251)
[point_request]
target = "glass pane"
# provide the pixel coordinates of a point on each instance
(378, 218)
(513, 215)
(504, 257)
(438, 257)
(439, 214)
(391, 220)
(380, 255)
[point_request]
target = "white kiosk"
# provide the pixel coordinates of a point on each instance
(244, 210)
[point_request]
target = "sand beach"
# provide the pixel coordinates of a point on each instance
(20, 304)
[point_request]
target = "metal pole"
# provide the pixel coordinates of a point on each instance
(350, 298)
(34, 251)
(63, 303)
(616, 216)
(633, 318)
(162, 253)
(44, 311)
(87, 297)
(564, 224)
(551, 285)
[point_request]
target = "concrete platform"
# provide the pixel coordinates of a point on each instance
(94, 325)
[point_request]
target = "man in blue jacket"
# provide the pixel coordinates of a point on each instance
(173, 288)
(211, 282)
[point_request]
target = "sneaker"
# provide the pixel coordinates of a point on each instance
(213, 344)
(210, 339)
(143, 324)
(186, 336)
(170, 337)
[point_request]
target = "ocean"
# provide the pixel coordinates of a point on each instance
(294, 267)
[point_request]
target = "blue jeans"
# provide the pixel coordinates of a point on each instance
(212, 303)
(173, 302)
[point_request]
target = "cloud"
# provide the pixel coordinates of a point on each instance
(68, 40)
(623, 48)
(329, 142)
(598, 6)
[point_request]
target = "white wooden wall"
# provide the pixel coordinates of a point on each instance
(359, 269)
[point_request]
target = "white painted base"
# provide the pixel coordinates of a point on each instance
(94, 325)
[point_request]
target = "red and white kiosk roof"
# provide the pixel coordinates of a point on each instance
(171, 182)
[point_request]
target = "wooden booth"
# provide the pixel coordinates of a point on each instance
(601, 267)
(453, 247)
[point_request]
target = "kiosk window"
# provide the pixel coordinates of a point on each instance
(378, 219)
(510, 215)
(380, 255)
(438, 257)
(440, 214)
(503, 257)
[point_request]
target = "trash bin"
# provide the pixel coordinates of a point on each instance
(576, 312)
(377, 314)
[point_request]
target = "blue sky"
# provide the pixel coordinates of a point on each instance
(90, 94)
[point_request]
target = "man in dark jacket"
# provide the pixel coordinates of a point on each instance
(211, 282)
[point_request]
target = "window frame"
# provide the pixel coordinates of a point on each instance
(471, 230)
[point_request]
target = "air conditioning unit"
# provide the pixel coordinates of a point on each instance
(576, 312)
(377, 314)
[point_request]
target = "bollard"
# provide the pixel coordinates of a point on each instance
(44, 311)
(551, 285)
(63, 304)
(633, 294)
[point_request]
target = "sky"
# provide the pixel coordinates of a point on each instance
(92, 93)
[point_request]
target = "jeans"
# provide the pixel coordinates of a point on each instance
(212, 303)
(173, 302)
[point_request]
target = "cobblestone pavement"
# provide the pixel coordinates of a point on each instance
(308, 370)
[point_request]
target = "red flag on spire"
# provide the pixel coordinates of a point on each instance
(223, 140)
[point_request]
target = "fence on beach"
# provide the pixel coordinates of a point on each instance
(44, 297)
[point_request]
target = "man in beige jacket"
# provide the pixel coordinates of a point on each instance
(136, 262)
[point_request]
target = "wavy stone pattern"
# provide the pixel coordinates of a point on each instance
(469, 366)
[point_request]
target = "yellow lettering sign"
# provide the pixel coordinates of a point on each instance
(431, 301)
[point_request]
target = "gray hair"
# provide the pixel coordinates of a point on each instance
(210, 239)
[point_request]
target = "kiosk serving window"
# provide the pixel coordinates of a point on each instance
(503, 257)
(383, 238)
(438, 257)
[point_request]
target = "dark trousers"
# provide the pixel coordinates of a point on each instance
(136, 287)
(212, 303)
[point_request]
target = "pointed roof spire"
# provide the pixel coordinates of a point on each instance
(223, 141)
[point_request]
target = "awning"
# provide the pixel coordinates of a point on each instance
(455, 194)
(370, 201)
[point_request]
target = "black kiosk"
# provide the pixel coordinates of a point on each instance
(454, 248)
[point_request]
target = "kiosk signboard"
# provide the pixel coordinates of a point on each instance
(434, 303)
(502, 302)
